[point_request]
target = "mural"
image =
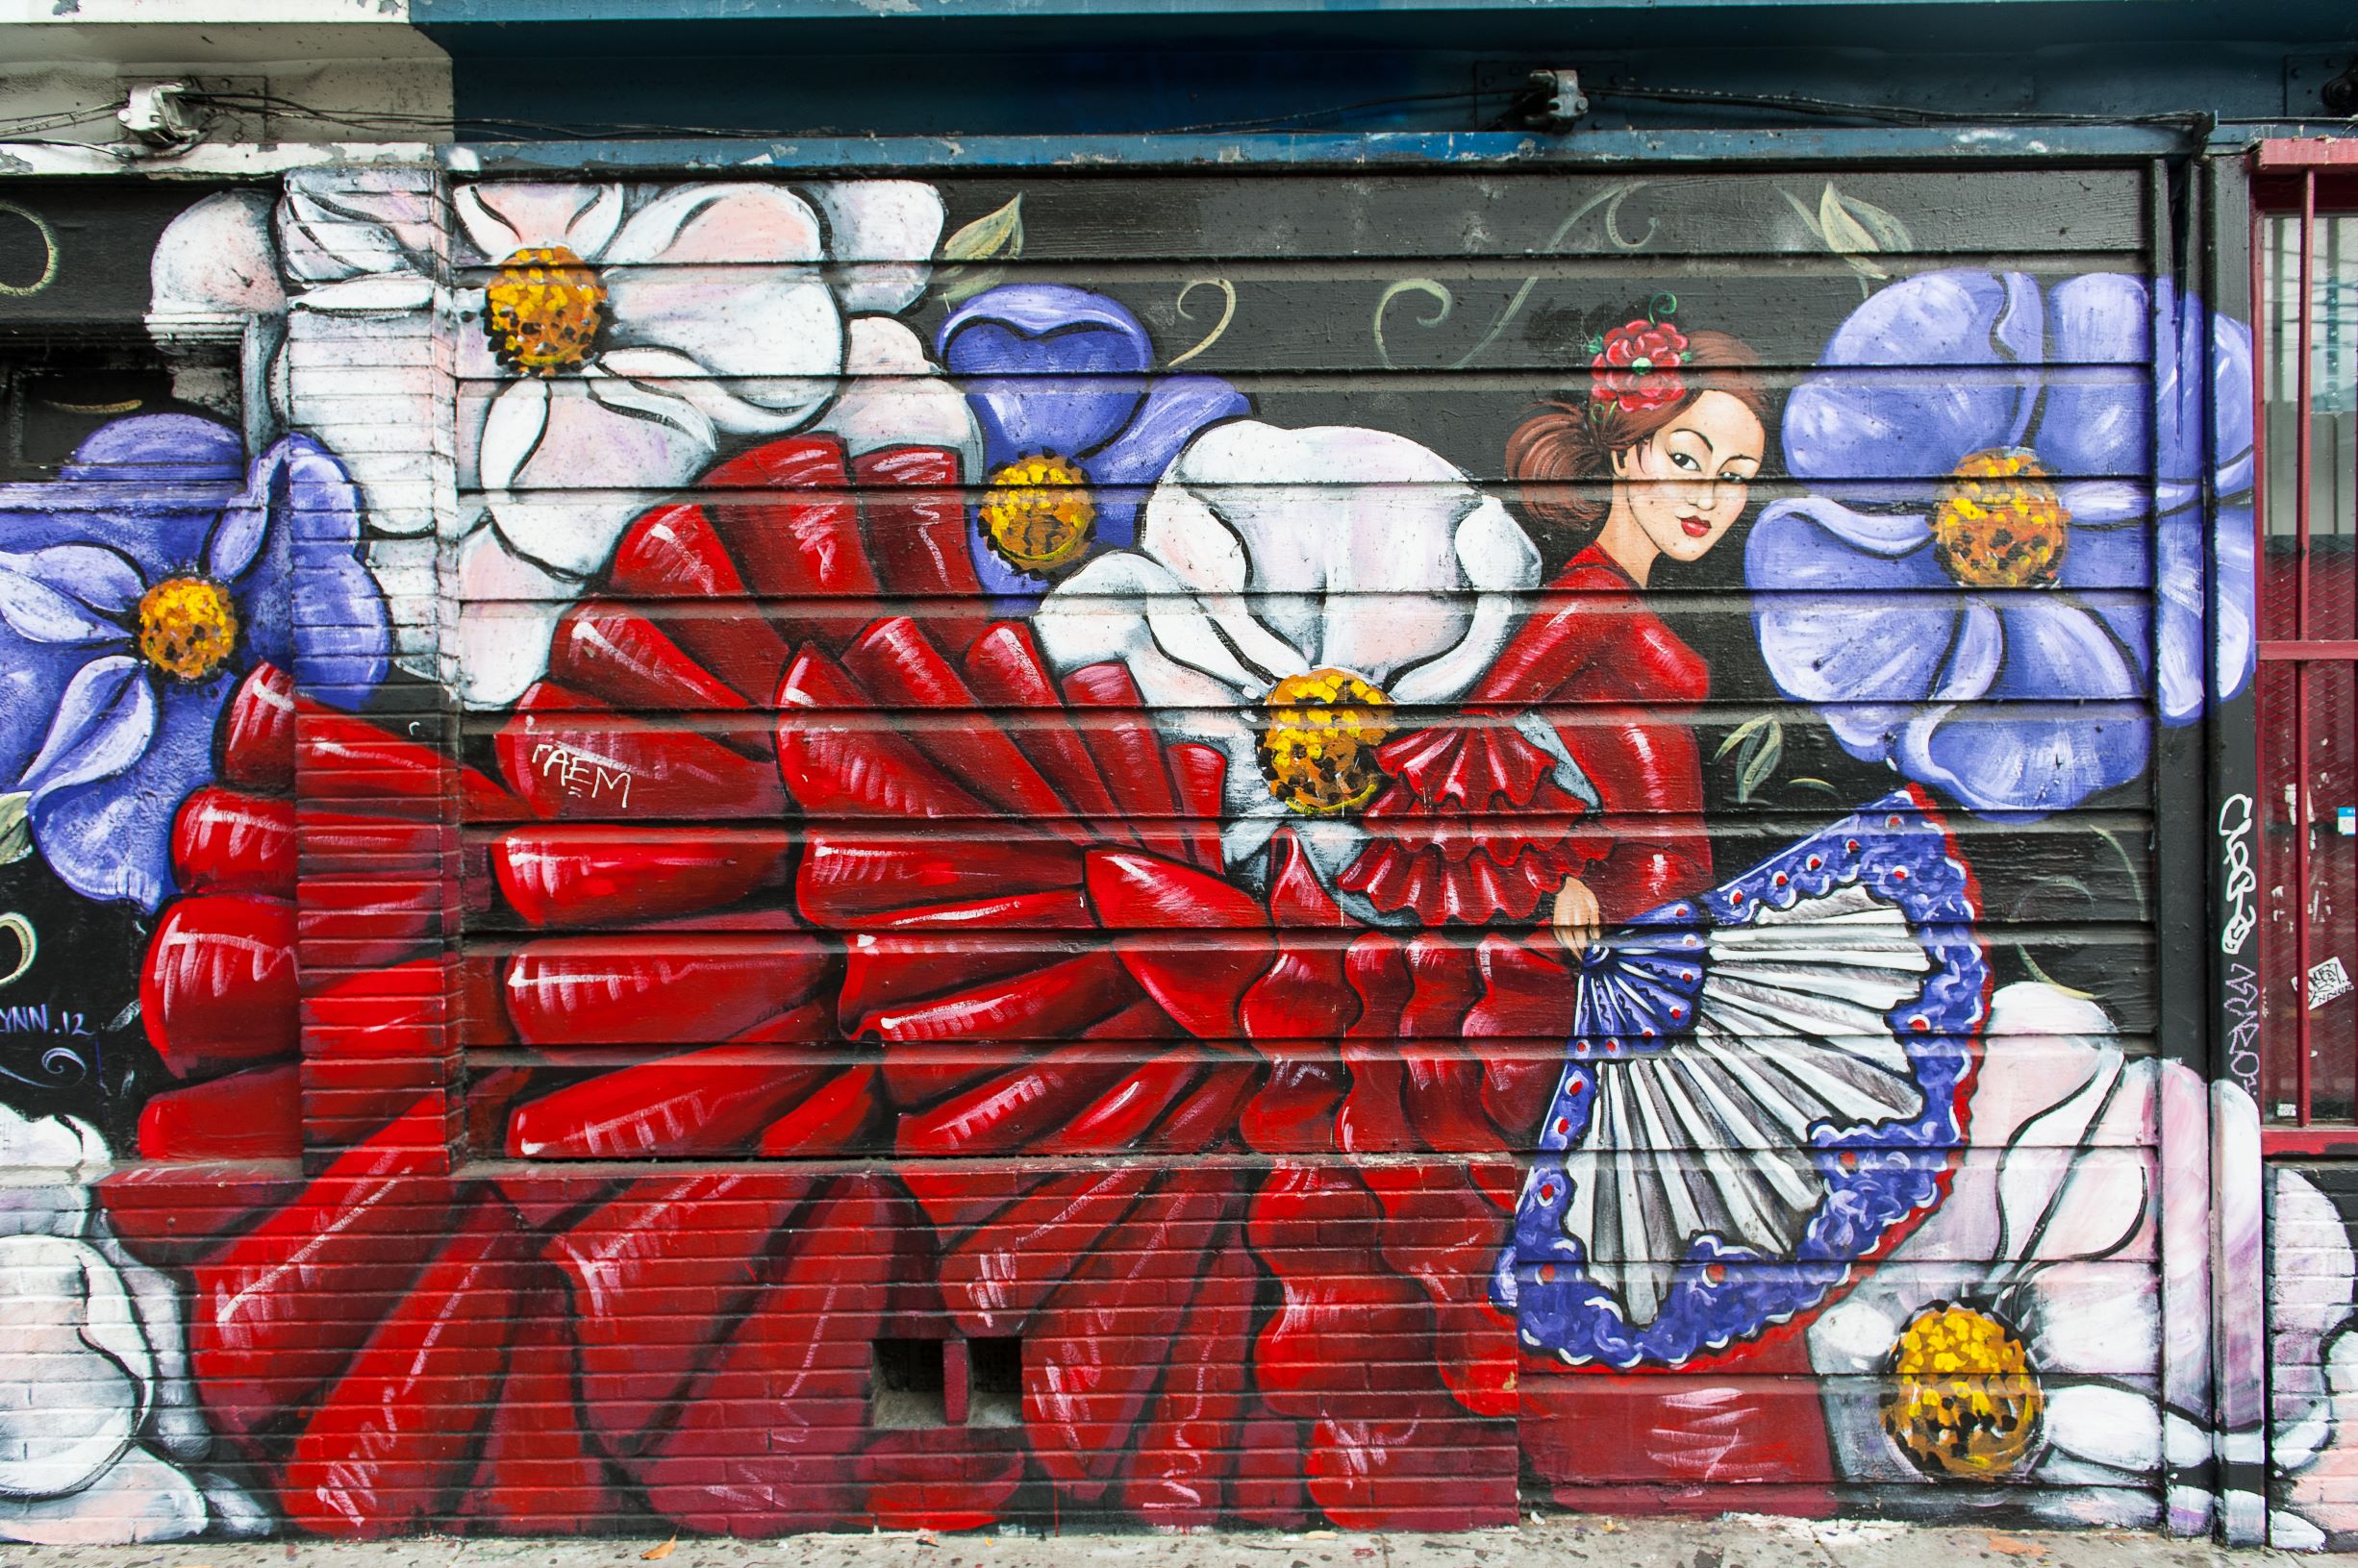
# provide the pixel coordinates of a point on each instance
(780, 879)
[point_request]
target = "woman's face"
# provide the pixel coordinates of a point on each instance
(1687, 484)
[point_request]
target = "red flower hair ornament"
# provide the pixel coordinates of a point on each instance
(1636, 368)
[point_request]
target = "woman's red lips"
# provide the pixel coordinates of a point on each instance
(1695, 527)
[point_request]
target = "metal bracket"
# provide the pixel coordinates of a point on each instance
(1555, 100)
(154, 113)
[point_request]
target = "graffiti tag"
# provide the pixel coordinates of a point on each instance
(2244, 1026)
(36, 1018)
(2235, 857)
(582, 776)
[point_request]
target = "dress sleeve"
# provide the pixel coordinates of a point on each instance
(1649, 779)
(1471, 824)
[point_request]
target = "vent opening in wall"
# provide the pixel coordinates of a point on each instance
(994, 1382)
(911, 1384)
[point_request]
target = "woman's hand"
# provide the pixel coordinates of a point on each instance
(1576, 917)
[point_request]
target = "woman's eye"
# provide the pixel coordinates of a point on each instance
(1685, 461)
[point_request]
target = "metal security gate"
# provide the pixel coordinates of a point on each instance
(2305, 270)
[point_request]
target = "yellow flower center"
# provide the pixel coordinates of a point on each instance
(543, 310)
(1038, 513)
(188, 627)
(1317, 743)
(2000, 524)
(1964, 1403)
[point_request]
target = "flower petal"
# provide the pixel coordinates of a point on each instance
(1813, 542)
(396, 293)
(513, 427)
(68, 593)
(1883, 621)
(1878, 412)
(2182, 581)
(2120, 1428)
(1042, 326)
(103, 725)
(1994, 761)
(1211, 622)
(896, 396)
(2104, 503)
(139, 1499)
(692, 225)
(302, 510)
(2097, 418)
(1051, 368)
(73, 1343)
(610, 445)
(1048, 412)
(2235, 609)
(344, 222)
(2057, 651)
(2231, 428)
(1101, 614)
(772, 333)
(512, 611)
(1171, 414)
(1346, 536)
(881, 235)
(111, 839)
(158, 448)
(1498, 558)
(505, 215)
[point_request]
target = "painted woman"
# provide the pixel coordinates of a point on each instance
(1571, 776)
(1566, 797)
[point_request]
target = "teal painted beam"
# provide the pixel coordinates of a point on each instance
(427, 12)
(1605, 149)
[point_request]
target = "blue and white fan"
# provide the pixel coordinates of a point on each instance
(1764, 1085)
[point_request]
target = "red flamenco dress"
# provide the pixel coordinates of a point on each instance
(1478, 828)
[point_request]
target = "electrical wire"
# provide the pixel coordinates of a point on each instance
(1522, 114)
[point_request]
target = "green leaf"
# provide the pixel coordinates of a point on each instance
(1808, 218)
(1855, 230)
(1740, 734)
(995, 237)
(15, 828)
(994, 234)
(28, 945)
(1758, 760)
(1819, 784)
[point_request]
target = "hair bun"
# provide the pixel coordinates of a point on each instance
(1555, 455)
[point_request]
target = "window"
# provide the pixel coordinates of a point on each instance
(2306, 289)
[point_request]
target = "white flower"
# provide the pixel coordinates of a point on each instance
(98, 1419)
(2313, 1366)
(1268, 554)
(2038, 1276)
(607, 341)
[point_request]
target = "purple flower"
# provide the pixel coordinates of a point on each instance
(1074, 432)
(1973, 602)
(136, 591)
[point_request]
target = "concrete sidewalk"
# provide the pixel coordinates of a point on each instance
(1740, 1541)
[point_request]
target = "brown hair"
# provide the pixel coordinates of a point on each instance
(1562, 455)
